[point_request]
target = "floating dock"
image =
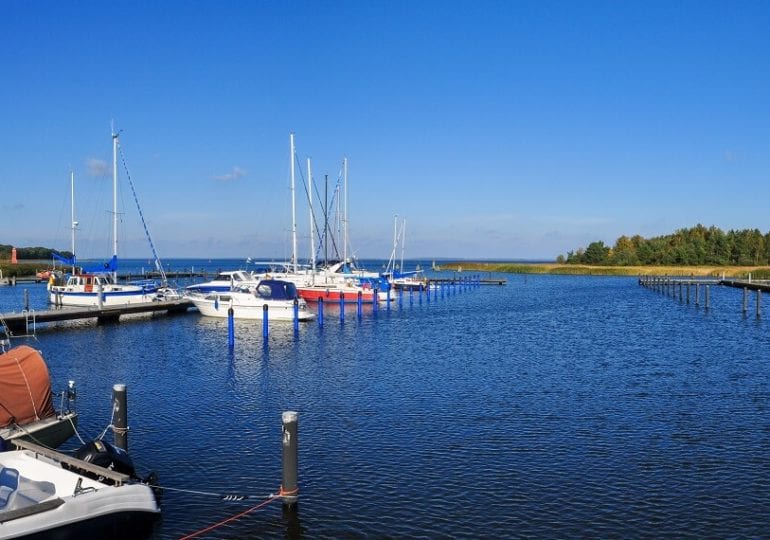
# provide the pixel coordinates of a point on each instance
(27, 320)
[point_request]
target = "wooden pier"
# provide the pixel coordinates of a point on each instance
(27, 320)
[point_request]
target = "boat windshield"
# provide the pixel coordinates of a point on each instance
(276, 290)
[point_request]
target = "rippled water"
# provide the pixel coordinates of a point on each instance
(550, 407)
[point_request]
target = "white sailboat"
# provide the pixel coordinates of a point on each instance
(98, 286)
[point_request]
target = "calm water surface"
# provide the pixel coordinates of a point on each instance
(551, 407)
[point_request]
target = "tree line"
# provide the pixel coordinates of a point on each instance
(30, 253)
(696, 246)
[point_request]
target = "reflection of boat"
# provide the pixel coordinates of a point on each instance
(249, 303)
(98, 285)
(26, 402)
(45, 494)
(224, 281)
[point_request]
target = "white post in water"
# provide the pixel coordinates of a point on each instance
(289, 487)
(120, 416)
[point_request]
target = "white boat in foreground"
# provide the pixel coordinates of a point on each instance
(249, 303)
(45, 494)
(224, 281)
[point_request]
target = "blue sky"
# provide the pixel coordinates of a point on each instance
(502, 130)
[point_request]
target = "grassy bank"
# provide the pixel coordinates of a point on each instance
(22, 269)
(758, 272)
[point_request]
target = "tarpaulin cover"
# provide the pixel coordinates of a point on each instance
(25, 387)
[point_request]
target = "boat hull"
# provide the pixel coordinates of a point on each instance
(121, 297)
(276, 311)
(50, 432)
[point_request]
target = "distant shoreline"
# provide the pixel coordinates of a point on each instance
(588, 270)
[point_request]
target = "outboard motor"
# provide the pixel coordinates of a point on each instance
(106, 455)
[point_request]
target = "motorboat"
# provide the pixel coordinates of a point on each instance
(224, 281)
(277, 298)
(27, 408)
(46, 494)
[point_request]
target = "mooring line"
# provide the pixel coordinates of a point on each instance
(272, 498)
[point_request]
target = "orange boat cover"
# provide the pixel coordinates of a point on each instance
(25, 387)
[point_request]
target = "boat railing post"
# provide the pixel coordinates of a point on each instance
(264, 321)
(289, 487)
(320, 312)
(120, 416)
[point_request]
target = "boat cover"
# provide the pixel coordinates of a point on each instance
(25, 387)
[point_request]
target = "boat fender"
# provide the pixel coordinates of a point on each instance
(106, 455)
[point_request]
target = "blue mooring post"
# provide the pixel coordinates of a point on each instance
(427, 294)
(296, 316)
(320, 312)
(388, 299)
(419, 296)
(264, 321)
(360, 304)
(230, 328)
(411, 295)
(342, 307)
(400, 298)
(442, 290)
(375, 300)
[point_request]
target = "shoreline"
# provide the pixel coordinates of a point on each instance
(760, 272)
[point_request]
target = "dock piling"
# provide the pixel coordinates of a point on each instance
(708, 290)
(360, 305)
(745, 300)
(320, 312)
(265, 323)
(289, 487)
(120, 416)
(759, 303)
(296, 316)
(230, 327)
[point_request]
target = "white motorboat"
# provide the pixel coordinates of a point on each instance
(249, 302)
(45, 494)
(225, 281)
(26, 403)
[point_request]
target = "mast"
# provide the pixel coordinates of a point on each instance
(403, 243)
(312, 220)
(326, 220)
(345, 213)
(72, 213)
(114, 200)
(293, 209)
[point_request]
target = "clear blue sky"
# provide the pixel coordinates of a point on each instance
(497, 129)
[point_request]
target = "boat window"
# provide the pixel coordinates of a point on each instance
(264, 290)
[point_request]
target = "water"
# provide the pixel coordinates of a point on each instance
(551, 407)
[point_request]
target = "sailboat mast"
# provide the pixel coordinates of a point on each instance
(293, 209)
(114, 200)
(312, 220)
(345, 212)
(403, 243)
(72, 213)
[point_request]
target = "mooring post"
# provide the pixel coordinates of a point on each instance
(120, 416)
(342, 306)
(745, 300)
(375, 300)
(289, 487)
(708, 290)
(230, 327)
(411, 295)
(296, 315)
(360, 304)
(435, 293)
(400, 298)
(388, 300)
(419, 296)
(697, 294)
(26, 299)
(759, 303)
(320, 312)
(680, 291)
(427, 295)
(265, 323)
(99, 295)
(688, 293)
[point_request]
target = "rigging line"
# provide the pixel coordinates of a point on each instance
(158, 265)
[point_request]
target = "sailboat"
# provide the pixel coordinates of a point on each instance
(98, 285)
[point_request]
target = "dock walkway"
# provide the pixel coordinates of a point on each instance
(26, 320)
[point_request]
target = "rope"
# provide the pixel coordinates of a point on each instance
(232, 518)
